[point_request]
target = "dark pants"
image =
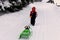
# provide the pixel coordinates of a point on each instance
(33, 21)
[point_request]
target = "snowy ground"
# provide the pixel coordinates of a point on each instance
(47, 23)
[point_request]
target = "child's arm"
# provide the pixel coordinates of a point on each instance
(30, 14)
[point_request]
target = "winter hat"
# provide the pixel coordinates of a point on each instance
(33, 8)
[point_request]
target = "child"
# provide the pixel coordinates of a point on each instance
(33, 15)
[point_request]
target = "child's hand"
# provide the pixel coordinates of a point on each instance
(30, 16)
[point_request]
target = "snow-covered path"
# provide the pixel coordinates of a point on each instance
(47, 23)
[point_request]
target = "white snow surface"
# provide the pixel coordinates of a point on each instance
(47, 25)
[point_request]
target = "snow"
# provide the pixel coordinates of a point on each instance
(47, 25)
(57, 1)
(7, 4)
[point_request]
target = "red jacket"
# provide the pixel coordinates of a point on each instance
(33, 13)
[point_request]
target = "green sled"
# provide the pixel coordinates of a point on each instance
(25, 34)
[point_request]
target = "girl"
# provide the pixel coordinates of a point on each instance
(33, 15)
